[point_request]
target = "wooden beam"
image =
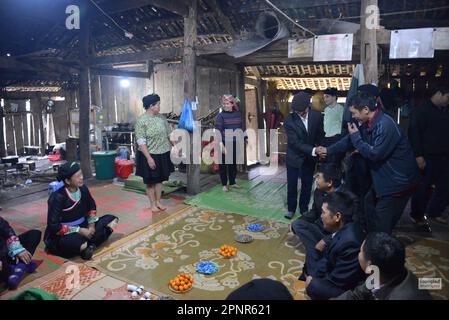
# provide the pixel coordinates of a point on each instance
(117, 6)
(157, 54)
(368, 44)
(224, 19)
(84, 91)
(119, 73)
(189, 64)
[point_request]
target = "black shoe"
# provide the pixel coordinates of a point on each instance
(88, 252)
(289, 215)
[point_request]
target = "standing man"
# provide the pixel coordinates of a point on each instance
(304, 128)
(333, 119)
(391, 160)
(430, 141)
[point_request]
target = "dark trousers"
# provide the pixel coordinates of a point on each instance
(382, 214)
(29, 240)
(228, 171)
(305, 173)
(310, 234)
(428, 201)
(69, 245)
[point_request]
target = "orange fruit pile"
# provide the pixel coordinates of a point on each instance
(182, 282)
(227, 251)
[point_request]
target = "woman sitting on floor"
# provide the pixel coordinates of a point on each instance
(16, 253)
(73, 227)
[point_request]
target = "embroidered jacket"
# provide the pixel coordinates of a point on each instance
(9, 242)
(66, 215)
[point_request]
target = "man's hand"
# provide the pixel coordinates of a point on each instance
(321, 152)
(151, 163)
(25, 257)
(352, 128)
(320, 246)
(1, 266)
(421, 162)
(308, 280)
(85, 232)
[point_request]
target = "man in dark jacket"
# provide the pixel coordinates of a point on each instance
(430, 141)
(395, 282)
(327, 181)
(392, 163)
(304, 128)
(331, 265)
(16, 253)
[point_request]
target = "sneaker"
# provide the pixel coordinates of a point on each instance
(88, 252)
(289, 215)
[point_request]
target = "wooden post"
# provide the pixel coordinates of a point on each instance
(2, 138)
(84, 90)
(190, 35)
(41, 107)
(242, 107)
(368, 45)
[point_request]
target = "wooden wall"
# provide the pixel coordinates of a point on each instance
(167, 82)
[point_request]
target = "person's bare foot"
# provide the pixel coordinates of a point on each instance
(160, 206)
(235, 186)
(154, 209)
(225, 189)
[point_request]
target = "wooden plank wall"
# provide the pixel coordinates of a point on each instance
(127, 100)
(211, 84)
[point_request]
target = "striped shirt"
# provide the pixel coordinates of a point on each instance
(228, 120)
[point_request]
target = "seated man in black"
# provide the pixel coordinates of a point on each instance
(16, 253)
(327, 181)
(395, 282)
(332, 265)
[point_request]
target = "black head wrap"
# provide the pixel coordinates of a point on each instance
(150, 99)
(67, 170)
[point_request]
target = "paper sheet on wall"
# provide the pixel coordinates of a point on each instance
(440, 40)
(411, 43)
(300, 48)
(333, 47)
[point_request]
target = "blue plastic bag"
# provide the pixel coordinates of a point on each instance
(186, 120)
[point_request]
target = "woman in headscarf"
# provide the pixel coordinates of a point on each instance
(226, 122)
(73, 227)
(153, 162)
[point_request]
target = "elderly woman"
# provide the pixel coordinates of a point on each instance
(226, 122)
(73, 227)
(153, 162)
(16, 253)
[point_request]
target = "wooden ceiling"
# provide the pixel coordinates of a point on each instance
(34, 32)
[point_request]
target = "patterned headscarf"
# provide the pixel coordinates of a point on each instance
(230, 98)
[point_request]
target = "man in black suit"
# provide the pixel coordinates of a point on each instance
(332, 265)
(304, 128)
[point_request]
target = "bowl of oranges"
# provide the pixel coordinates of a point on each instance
(181, 283)
(227, 251)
